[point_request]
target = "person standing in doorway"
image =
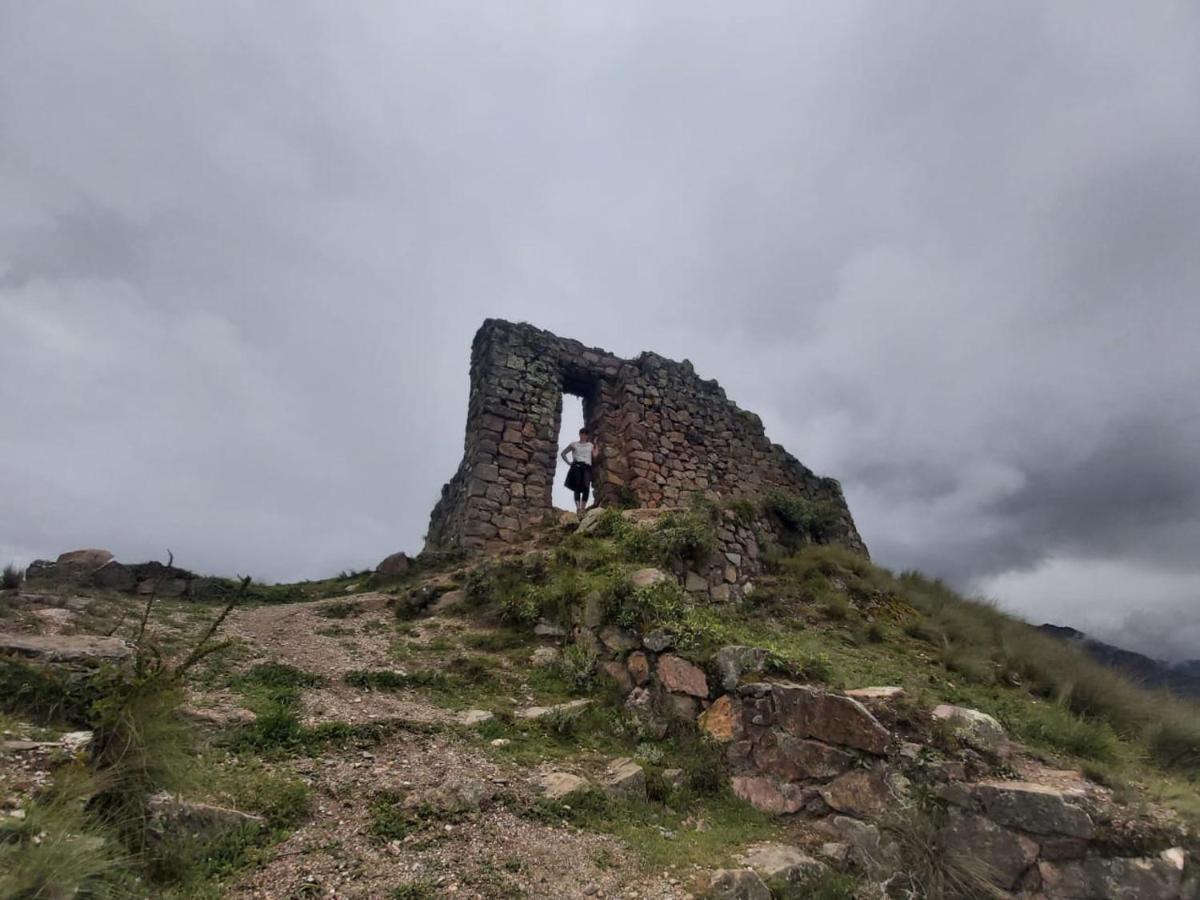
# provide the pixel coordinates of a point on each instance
(579, 476)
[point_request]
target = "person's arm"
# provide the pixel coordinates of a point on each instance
(566, 450)
(595, 451)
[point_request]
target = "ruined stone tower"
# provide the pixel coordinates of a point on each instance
(665, 434)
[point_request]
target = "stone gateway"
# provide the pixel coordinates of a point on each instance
(665, 435)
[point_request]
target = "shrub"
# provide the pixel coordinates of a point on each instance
(1056, 726)
(656, 605)
(339, 609)
(577, 665)
(11, 577)
(815, 521)
(685, 536)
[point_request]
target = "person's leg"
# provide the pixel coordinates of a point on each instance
(587, 484)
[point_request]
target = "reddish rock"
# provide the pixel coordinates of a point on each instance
(795, 759)
(681, 677)
(806, 711)
(768, 794)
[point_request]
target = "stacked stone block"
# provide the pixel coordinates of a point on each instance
(665, 433)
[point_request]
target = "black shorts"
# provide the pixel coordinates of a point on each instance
(579, 478)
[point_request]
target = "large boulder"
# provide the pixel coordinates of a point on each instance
(84, 559)
(396, 564)
(1033, 808)
(809, 712)
(976, 729)
(114, 576)
(974, 841)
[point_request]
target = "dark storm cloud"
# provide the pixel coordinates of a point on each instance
(947, 253)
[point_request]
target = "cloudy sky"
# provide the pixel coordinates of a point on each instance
(949, 252)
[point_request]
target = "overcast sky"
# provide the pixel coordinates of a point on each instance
(949, 252)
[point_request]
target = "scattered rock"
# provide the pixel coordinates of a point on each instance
(674, 778)
(625, 778)
(1033, 808)
(218, 716)
(737, 884)
(694, 583)
(780, 863)
(974, 728)
(680, 706)
(396, 564)
(680, 676)
(170, 818)
(836, 852)
(768, 794)
(456, 794)
(640, 703)
(733, 661)
(876, 854)
(590, 519)
(643, 578)
(474, 717)
(1004, 855)
(559, 785)
(806, 711)
(533, 713)
(723, 720)
(544, 656)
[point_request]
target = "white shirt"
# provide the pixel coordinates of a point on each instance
(581, 452)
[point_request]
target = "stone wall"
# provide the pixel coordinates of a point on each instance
(665, 434)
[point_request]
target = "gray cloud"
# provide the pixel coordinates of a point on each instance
(947, 253)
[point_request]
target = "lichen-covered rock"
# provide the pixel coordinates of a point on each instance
(1120, 878)
(544, 656)
(735, 661)
(658, 640)
(643, 578)
(679, 676)
(737, 884)
(975, 841)
(618, 640)
(974, 728)
(723, 720)
(769, 794)
(571, 707)
(872, 850)
(639, 667)
(806, 711)
(170, 818)
(1033, 808)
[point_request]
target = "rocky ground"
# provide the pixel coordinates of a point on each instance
(398, 741)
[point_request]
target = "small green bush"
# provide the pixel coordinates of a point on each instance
(658, 605)
(815, 521)
(577, 665)
(339, 609)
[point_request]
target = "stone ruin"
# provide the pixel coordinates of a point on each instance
(665, 434)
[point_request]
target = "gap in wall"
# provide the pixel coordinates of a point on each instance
(568, 430)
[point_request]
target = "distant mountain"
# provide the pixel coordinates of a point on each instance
(1182, 678)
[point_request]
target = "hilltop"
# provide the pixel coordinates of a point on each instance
(564, 719)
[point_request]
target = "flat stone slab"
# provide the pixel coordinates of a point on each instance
(533, 713)
(86, 649)
(559, 785)
(474, 717)
(810, 712)
(976, 729)
(1033, 808)
(780, 862)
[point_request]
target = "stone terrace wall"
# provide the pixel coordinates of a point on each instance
(665, 434)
